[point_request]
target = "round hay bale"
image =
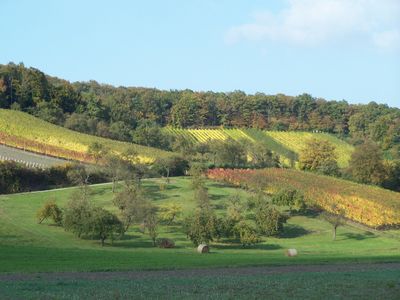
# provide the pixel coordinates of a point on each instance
(203, 248)
(291, 252)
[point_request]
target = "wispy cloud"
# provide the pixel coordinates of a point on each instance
(314, 22)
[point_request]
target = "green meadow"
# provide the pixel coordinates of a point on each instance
(26, 246)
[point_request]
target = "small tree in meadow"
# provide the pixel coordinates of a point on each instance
(291, 198)
(247, 234)
(269, 220)
(169, 212)
(50, 210)
(131, 203)
(103, 224)
(200, 227)
(335, 217)
(151, 224)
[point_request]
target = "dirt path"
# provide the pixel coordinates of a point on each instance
(271, 270)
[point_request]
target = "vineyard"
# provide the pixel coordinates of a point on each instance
(369, 205)
(23, 131)
(286, 144)
(295, 142)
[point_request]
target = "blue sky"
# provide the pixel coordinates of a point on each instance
(335, 49)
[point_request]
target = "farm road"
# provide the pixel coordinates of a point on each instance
(29, 158)
(241, 271)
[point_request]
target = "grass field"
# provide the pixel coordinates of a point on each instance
(286, 144)
(21, 130)
(26, 246)
(356, 284)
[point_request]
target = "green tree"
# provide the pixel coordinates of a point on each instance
(50, 210)
(97, 151)
(169, 212)
(148, 133)
(319, 156)
(77, 214)
(366, 164)
(103, 224)
(291, 198)
(335, 217)
(261, 156)
(247, 233)
(132, 204)
(229, 152)
(269, 220)
(171, 166)
(151, 223)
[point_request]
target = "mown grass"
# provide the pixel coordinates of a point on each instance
(26, 246)
(314, 285)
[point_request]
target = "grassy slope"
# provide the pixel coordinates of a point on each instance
(23, 125)
(286, 144)
(28, 247)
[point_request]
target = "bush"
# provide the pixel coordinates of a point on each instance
(247, 234)
(50, 210)
(291, 198)
(165, 243)
(269, 220)
(200, 227)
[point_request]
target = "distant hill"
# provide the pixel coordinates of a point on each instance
(116, 112)
(21, 130)
(286, 144)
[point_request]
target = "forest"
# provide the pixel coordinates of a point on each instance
(120, 112)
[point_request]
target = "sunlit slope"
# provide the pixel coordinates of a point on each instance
(369, 205)
(21, 130)
(286, 144)
(295, 141)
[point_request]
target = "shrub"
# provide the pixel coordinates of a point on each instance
(291, 198)
(165, 243)
(269, 220)
(246, 233)
(50, 210)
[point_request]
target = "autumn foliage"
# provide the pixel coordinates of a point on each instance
(369, 205)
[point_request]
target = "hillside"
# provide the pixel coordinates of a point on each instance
(370, 205)
(21, 130)
(28, 246)
(286, 144)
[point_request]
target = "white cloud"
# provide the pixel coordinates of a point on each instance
(314, 22)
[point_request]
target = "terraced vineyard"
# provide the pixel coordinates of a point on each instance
(23, 131)
(286, 144)
(295, 142)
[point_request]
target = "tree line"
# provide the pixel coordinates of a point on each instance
(129, 113)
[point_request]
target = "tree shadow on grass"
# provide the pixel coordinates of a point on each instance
(216, 197)
(293, 231)
(358, 236)
(101, 190)
(309, 213)
(238, 246)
